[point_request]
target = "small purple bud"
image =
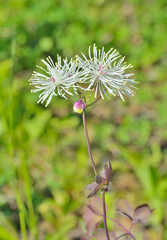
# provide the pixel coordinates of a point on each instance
(79, 106)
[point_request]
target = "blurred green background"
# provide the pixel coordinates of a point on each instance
(44, 163)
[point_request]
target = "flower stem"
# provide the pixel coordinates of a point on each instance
(88, 143)
(94, 101)
(69, 98)
(78, 90)
(104, 216)
(91, 94)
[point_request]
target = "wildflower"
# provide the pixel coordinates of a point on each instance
(79, 106)
(57, 79)
(105, 75)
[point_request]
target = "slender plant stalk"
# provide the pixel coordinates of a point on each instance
(104, 216)
(10, 141)
(90, 94)
(103, 193)
(21, 215)
(23, 168)
(32, 217)
(95, 171)
(69, 98)
(88, 143)
(79, 93)
(94, 101)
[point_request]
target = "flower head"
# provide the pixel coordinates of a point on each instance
(107, 75)
(57, 79)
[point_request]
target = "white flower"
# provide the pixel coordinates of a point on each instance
(105, 74)
(57, 79)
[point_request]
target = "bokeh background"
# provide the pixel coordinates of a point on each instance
(44, 163)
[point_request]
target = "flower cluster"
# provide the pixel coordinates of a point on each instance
(103, 73)
(57, 79)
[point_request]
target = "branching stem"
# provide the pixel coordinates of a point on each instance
(94, 101)
(91, 93)
(78, 90)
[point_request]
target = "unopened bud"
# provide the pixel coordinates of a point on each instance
(79, 106)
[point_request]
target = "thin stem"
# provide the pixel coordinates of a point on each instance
(78, 90)
(88, 143)
(90, 94)
(94, 101)
(104, 216)
(69, 98)
(27, 189)
(21, 215)
(120, 225)
(10, 142)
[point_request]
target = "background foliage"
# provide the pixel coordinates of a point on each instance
(44, 163)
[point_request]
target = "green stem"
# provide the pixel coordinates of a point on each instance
(21, 215)
(94, 101)
(10, 142)
(79, 93)
(90, 94)
(32, 218)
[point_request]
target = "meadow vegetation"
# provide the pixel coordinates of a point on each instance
(44, 163)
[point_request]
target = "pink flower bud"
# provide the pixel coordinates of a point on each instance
(79, 106)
